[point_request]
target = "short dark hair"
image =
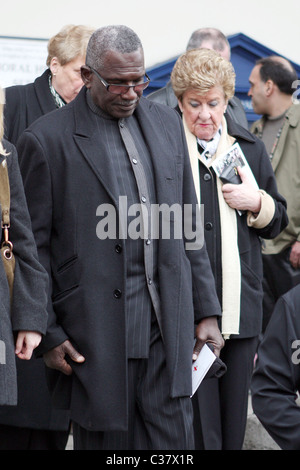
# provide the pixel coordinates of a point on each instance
(280, 71)
(119, 38)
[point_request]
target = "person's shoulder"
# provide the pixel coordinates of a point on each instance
(157, 107)
(292, 297)
(293, 114)
(159, 96)
(238, 131)
(56, 118)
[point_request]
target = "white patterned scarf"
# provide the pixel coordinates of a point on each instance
(231, 269)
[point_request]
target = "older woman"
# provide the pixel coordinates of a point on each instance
(235, 217)
(57, 86)
(34, 423)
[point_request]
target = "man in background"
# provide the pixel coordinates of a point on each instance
(272, 84)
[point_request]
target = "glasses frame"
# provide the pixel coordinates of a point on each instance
(126, 87)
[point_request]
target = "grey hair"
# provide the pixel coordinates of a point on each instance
(218, 39)
(117, 38)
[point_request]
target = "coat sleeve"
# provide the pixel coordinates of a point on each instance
(276, 377)
(38, 189)
(29, 305)
(267, 183)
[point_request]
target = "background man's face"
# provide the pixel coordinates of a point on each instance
(257, 91)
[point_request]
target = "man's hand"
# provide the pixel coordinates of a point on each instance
(55, 358)
(26, 342)
(295, 255)
(244, 196)
(208, 332)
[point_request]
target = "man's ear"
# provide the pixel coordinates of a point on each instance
(86, 74)
(269, 87)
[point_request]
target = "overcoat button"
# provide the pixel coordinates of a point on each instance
(208, 226)
(117, 294)
(118, 248)
(207, 177)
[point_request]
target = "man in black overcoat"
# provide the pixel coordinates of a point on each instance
(125, 303)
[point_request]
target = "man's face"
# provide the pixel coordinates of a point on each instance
(121, 69)
(257, 91)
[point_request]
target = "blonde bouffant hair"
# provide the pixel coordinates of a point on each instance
(202, 69)
(2, 102)
(69, 43)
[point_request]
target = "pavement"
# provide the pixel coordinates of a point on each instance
(256, 437)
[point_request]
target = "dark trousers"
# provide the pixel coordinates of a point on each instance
(15, 438)
(221, 405)
(279, 278)
(155, 420)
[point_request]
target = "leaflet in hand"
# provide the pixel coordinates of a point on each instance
(201, 366)
(225, 165)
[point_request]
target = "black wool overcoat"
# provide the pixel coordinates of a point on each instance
(67, 175)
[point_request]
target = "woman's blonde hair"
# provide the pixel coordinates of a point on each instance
(2, 102)
(71, 42)
(202, 69)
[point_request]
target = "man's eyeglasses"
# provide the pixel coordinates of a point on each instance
(122, 89)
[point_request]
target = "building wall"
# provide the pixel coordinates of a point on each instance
(164, 26)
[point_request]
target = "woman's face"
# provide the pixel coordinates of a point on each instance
(203, 113)
(66, 79)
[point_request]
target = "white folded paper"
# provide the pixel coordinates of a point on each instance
(201, 366)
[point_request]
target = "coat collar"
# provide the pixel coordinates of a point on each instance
(88, 140)
(41, 84)
(292, 120)
(237, 131)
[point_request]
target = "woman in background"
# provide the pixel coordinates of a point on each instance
(57, 86)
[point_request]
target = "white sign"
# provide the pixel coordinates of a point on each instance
(21, 60)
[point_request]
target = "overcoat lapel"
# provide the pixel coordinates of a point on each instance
(88, 139)
(164, 163)
(44, 98)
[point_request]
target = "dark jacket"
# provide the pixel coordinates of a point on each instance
(25, 104)
(276, 379)
(66, 178)
(29, 304)
(249, 238)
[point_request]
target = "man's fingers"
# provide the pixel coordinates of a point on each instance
(73, 353)
(197, 348)
(56, 358)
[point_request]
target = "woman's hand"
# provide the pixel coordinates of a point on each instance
(244, 196)
(26, 342)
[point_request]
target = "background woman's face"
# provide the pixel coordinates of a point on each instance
(67, 80)
(203, 113)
